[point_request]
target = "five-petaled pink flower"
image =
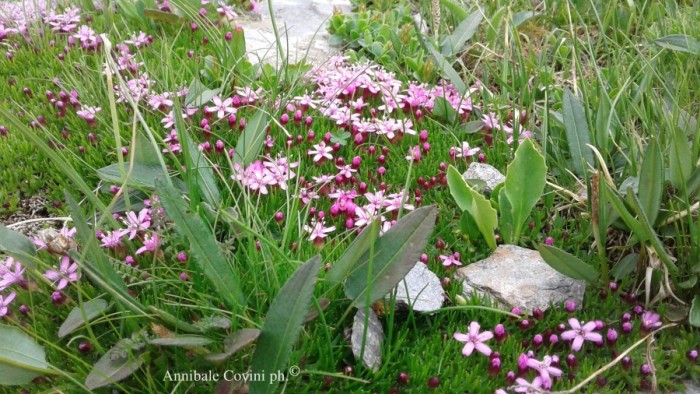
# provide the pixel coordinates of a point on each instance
(150, 243)
(579, 334)
(222, 108)
(136, 223)
(650, 321)
(67, 273)
(321, 151)
(449, 260)
(523, 386)
(474, 340)
(545, 369)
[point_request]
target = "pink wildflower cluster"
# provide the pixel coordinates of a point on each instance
(268, 172)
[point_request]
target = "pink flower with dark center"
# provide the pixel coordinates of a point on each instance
(222, 108)
(579, 334)
(318, 230)
(11, 272)
(150, 243)
(112, 239)
(67, 273)
(474, 340)
(320, 152)
(136, 223)
(544, 369)
(465, 151)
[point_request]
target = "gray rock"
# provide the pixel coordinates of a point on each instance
(372, 357)
(518, 277)
(484, 172)
(302, 25)
(420, 290)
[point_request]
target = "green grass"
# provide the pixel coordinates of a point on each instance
(603, 51)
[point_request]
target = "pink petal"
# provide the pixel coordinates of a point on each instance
(593, 337)
(9, 298)
(578, 342)
(461, 337)
(568, 335)
(484, 336)
(590, 326)
(573, 322)
(468, 349)
(483, 348)
(52, 275)
(474, 329)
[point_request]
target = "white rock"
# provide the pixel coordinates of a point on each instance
(420, 290)
(372, 357)
(486, 173)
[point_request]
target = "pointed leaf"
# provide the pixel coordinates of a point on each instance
(523, 16)
(186, 341)
(576, 132)
(446, 67)
(651, 181)
(161, 16)
(144, 152)
(204, 175)
(15, 244)
(679, 43)
(395, 253)
(205, 249)
(353, 253)
(75, 320)
(283, 324)
(142, 176)
(453, 43)
(111, 367)
(468, 199)
(525, 181)
(21, 358)
(681, 159)
(625, 266)
(251, 141)
(694, 317)
(443, 110)
(235, 342)
(567, 264)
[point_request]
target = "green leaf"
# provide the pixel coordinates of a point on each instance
(114, 366)
(506, 215)
(453, 43)
(694, 317)
(680, 159)
(651, 181)
(577, 135)
(161, 16)
(446, 67)
(625, 266)
(15, 244)
(353, 253)
(395, 253)
(204, 175)
(235, 342)
(251, 141)
(283, 324)
(679, 43)
(204, 247)
(142, 176)
(144, 152)
(186, 341)
(198, 94)
(567, 264)
(80, 315)
(443, 110)
(525, 181)
(477, 205)
(455, 9)
(21, 358)
(523, 16)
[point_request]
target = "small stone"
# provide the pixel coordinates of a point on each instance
(484, 172)
(515, 276)
(372, 357)
(420, 290)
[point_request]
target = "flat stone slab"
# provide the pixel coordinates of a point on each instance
(420, 290)
(484, 172)
(302, 25)
(372, 357)
(519, 277)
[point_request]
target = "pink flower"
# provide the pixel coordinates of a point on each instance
(113, 239)
(414, 154)
(474, 340)
(67, 273)
(11, 272)
(5, 303)
(449, 261)
(465, 151)
(318, 230)
(222, 108)
(320, 152)
(579, 334)
(544, 369)
(523, 386)
(150, 243)
(137, 223)
(650, 321)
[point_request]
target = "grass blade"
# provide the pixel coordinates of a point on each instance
(567, 264)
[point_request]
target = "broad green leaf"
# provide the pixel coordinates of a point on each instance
(505, 210)
(455, 9)
(283, 324)
(198, 94)
(186, 341)
(15, 244)
(651, 181)
(80, 315)
(471, 127)
(694, 317)
(21, 358)
(523, 16)
(359, 246)
(680, 159)
(161, 16)
(619, 206)
(567, 264)
(625, 266)
(453, 43)
(142, 176)
(446, 67)
(689, 283)
(144, 152)
(477, 205)
(202, 171)
(443, 110)
(235, 342)
(205, 249)
(395, 253)
(251, 140)
(115, 365)
(679, 43)
(577, 135)
(525, 181)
